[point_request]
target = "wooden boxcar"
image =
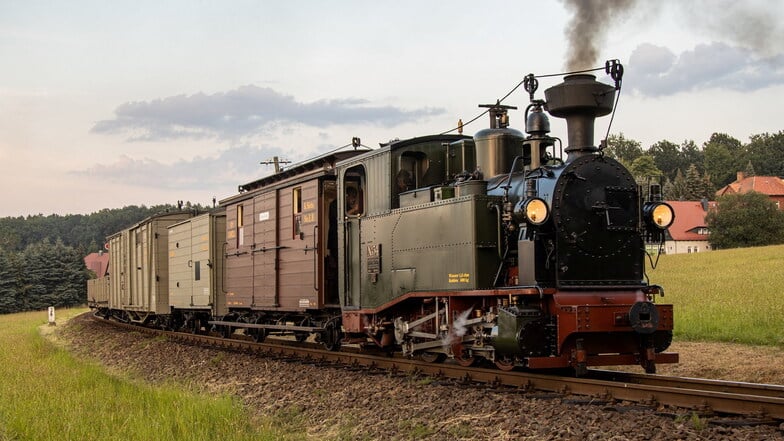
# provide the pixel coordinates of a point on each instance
(139, 268)
(98, 293)
(281, 240)
(196, 248)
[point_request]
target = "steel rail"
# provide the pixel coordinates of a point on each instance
(762, 402)
(733, 387)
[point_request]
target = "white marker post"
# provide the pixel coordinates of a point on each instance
(51, 316)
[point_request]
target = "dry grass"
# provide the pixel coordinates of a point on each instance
(726, 295)
(727, 361)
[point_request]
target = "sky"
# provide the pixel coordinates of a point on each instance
(108, 104)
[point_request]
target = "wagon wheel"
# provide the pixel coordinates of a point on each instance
(331, 336)
(191, 325)
(256, 334)
(432, 357)
(222, 331)
(302, 335)
(505, 363)
(462, 356)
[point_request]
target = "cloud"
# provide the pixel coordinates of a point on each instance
(231, 167)
(657, 71)
(245, 111)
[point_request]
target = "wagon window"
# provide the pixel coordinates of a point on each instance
(296, 208)
(240, 228)
(297, 200)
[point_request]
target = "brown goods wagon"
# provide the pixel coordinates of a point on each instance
(278, 232)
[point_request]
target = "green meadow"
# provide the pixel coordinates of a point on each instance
(732, 295)
(45, 394)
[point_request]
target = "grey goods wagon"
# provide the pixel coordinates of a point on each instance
(139, 268)
(196, 262)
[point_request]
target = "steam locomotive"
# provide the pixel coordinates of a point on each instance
(492, 248)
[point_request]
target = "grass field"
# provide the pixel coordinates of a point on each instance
(726, 295)
(47, 395)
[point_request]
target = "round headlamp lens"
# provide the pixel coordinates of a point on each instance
(536, 211)
(662, 216)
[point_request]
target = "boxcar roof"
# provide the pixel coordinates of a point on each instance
(311, 164)
(155, 217)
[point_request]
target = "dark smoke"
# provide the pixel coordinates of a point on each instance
(585, 32)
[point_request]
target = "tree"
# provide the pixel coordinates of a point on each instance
(676, 189)
(54, 275)
(692, 155)
(745, 220)
(644, 167)
(667, 157)
(766, 152)
(694, 184)
(749, 170)
(622, 149)
(9, 282)
(723, 156)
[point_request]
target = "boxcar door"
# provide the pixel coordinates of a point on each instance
(266, 249)
(200, 262)
(239, 266)
(352, 210)
(328, 241)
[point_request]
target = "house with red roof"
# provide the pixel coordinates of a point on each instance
(773, 186)
(97, 263)
(689, 231)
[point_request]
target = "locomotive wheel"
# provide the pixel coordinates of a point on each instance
(462, 356)
(505, 364)
(432, 357)
(465, 361)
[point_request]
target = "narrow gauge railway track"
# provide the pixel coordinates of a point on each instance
(760, 404)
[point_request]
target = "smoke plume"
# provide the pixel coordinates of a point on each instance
(587, 27)
(750, 24)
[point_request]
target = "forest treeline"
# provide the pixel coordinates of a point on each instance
(692, 172)
(42, 257)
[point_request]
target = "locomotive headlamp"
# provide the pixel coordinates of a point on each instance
(536, 211)
(659, 214)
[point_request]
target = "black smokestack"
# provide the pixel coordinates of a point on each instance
(586, 30)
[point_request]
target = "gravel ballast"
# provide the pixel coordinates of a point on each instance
(334, 403)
